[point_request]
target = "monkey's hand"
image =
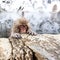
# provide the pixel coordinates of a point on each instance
(31, 33)
(16, 35)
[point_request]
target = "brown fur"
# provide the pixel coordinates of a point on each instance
(54, 8)
(18, 23)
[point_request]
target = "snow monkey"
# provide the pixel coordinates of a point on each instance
(21, 26)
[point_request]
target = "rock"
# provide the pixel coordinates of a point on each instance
(5, 49)
(46, 46)
(40, 47)
(19, 50)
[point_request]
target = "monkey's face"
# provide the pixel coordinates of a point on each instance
(23, 28)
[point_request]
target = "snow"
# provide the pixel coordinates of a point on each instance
(36, 11)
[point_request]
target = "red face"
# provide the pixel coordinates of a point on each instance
(23, 28)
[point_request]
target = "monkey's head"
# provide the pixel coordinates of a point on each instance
(23, 25)
(54, 8)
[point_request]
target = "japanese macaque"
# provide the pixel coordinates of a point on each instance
(21, 26)
(54, 13)
(54, 9)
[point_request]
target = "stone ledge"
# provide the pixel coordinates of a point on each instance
(43, 47)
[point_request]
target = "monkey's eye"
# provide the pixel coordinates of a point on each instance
(23, 26)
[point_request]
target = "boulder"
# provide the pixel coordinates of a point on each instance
(40, 47)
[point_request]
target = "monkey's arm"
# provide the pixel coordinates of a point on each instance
(31, 32)
(15, 32)
(16, 35)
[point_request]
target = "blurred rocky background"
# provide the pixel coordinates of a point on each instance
(44, 15)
